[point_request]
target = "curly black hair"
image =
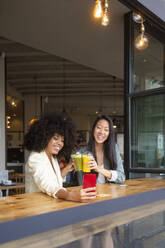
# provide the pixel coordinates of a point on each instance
(109, 144)
(42, 130)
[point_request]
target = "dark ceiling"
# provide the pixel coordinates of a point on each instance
(29, 70)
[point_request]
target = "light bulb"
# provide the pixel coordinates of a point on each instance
(32, 121)
(141, 42)
(137, 18)
(98, 11)
(105, 19)
(13, 103)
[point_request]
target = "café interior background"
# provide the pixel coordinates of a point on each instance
(77, 71)
(53, 64)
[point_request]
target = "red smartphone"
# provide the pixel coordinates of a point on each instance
(89, 181)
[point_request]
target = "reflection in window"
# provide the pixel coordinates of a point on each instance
(148, 132)
(148, 65)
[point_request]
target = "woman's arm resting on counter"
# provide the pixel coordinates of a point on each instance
(81, 195)
(104, 172)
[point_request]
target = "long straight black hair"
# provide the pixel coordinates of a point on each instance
(109, 144)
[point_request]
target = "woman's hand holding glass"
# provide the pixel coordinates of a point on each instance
(67, 168)
(70, 166)
(92, 164)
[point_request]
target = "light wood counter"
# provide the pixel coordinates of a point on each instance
(38, 212)
(19, 206)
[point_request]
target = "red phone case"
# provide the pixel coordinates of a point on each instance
(89, 181)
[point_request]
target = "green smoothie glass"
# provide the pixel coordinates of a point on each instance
(77, 157)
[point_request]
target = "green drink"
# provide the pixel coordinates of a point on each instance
(78, 159)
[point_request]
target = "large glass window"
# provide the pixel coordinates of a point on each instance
(148, 132)
(148, 65)
(145, 101)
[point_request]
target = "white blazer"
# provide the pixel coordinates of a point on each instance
(40, 176)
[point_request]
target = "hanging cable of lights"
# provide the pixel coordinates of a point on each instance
(101, 11)
(35, 118)
(141, 42)
(64, 87)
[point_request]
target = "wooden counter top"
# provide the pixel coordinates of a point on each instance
(38, 212)
(19, 206)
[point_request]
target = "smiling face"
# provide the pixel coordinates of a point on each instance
(55, 144)
(101, 131)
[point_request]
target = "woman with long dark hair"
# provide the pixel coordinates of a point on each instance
(107, 161)
(49, 139)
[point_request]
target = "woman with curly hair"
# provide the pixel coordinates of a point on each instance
(49, 139)
(106, 162)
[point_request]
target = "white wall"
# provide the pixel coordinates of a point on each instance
(66, 28)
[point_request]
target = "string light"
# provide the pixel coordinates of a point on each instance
(35, 118)
(98, 11)
(137, 18)
(141, 41)
(13, 103)
(105, 19)
(8, 122)
(32, 121)
(101, 11)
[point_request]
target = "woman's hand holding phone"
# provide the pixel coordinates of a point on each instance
(89, 188)
(88, 194)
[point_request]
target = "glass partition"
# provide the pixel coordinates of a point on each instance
(148, 132)
(144, 100)
(148, 65)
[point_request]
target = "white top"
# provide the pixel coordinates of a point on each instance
(101, 178)
(40, 176)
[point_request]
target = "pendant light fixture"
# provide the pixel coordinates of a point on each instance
(64, 87)
(141, 42)
(35, 118)
(101, 11)
(98, 11)
(137, 18)
(105, 18)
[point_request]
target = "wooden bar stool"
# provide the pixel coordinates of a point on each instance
(20, 178)
(17, 178)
